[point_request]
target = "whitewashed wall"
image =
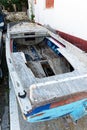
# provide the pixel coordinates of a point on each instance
(69, 16)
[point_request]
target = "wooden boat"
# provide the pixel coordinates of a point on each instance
(49, 74)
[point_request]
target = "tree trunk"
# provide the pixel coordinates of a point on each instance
(15, 8)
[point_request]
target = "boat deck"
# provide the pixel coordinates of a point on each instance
(61, 86)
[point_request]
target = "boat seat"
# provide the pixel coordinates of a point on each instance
(57, 88)
(25, 74)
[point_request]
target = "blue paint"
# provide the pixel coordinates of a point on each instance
(39, 110)
(28, 57)
(53, 47)
(76, 110)
(80, 111)
(46, 118)
(14, 46)
(35, 54)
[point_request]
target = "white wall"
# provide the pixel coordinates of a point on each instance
(69, 16)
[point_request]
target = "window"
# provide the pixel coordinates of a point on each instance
(35, 1)
(49, 3)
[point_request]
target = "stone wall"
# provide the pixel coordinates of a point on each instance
(16, 16)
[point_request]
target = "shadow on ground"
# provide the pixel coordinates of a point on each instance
(4, 94)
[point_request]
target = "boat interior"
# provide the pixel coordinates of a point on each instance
(42, 56)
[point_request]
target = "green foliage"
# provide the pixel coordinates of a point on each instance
(32, 17)
(9, 4)
(4, 3)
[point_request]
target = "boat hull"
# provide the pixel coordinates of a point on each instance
(75, 110)
(32, 54)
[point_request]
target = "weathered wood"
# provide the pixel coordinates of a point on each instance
(30, 36)
(25, 74)
(52, 89)
(60, 85)
(27, 27)
(17, 122)
(42, 92)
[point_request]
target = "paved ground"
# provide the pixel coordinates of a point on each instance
(58, 124)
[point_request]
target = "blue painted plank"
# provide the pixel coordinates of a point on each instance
(76, 110)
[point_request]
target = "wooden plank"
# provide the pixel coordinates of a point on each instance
(27, 27)
(36, 69)
(29, 36)
(77, 58)
(41, 93)
(14, 117)
(27, 77)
